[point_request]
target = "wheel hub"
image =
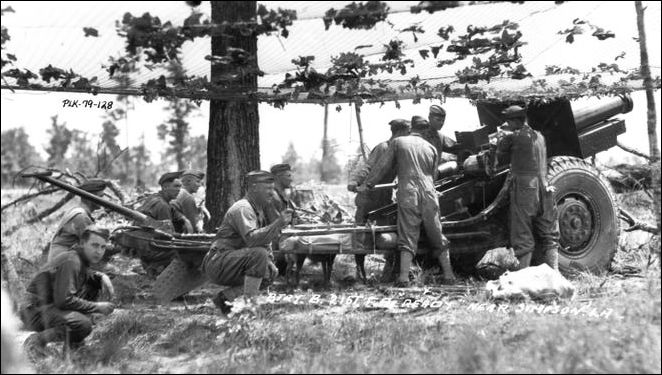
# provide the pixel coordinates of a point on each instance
(575, 224)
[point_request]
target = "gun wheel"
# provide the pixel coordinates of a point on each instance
(588, 215)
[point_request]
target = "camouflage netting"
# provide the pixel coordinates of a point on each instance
(507, 51)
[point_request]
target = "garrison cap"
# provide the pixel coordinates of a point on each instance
(93, 185)
(193, 172)
(437, 110)
(254, 177)
(514, 111)
(418, 122)
(278, 168)
(399, 124)
(103, 232)
(168, 177)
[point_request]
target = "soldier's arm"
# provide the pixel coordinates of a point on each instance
(448, 145)
(362, 173)
(65, 289)
(190, 210)
(383, 165)
(245, 222)
(504, 145)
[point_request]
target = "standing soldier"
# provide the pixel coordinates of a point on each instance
(441, 142)
(532, 207)
(63, 294)
(76, 220)
(240, 256)
(415, 161)
(369, 200)
(185, 203)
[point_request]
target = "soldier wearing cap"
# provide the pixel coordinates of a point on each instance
(282, 182)
(158, 207)
(415, 161)
(240, 256)
(369, 200)
(65, 291)
(76, 219)
(443, 143)
(185, 203)
(533, 211)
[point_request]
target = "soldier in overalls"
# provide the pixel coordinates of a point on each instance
(533, 213)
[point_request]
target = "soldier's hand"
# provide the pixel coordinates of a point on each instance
(551, 188)
(286, 216)
(362, 188)
(107, 286)
(105, 308)
(352, 187)
(273, 270)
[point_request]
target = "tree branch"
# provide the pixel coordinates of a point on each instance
(633, 151)
(29, 196)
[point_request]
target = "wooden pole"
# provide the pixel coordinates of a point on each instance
(654, 152)
(325, 145)
(358, 121)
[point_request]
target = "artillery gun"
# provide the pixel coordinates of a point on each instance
(473, 199)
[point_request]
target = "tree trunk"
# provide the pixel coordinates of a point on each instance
(652, 120)
(233, 146)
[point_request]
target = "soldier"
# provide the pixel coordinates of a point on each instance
(441, 142)
(76, 220)
(280, 201)
(370, 200)
(240, 256)
(415, 162)
(532, 207)
(185, 203)
(62, 295)
(158, 207)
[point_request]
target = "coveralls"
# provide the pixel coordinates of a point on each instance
(60, 296)
(533, 212)
(370, 200)
(68, 233)
(242, 246)
(415, 161)
(441, 142)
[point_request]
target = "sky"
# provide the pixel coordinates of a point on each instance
(45, 33)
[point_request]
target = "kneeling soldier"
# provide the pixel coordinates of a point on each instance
(62, 295)
(240, 256)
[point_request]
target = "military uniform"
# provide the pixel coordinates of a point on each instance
(415, 161)
(186, 206)
(60, 297)
(242, 246)
(441, 142)
(370, 200)
(532, 208)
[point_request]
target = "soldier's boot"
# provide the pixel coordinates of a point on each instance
(224, 298)
(445, 262)
(524, 260)
(405, 264)
(35, 344)
(251, 286)
(551, 257)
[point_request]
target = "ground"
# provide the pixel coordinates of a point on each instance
(611, 325)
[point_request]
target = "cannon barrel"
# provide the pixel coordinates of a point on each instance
(589, 115)
(139, 217)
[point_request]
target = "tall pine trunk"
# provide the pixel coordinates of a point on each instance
(233, 146)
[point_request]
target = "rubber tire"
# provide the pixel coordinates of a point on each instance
(571, 175)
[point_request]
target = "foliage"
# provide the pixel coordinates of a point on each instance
(17, 154)
(357, 16)
(579, 27)
(59, 142)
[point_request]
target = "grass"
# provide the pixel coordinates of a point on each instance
(617, 328)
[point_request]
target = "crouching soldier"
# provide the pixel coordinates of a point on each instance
(533, 212)
(240, 256)
(63, 294)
